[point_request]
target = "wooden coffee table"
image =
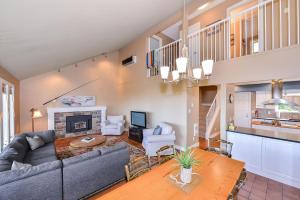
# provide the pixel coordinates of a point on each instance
(77, 143)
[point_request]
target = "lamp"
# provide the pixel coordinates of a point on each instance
(207, 66)
(35, 113)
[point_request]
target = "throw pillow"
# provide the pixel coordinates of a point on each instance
(35, 142)
(17, 166)
(157, 130)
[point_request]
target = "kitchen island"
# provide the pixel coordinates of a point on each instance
(272, 154)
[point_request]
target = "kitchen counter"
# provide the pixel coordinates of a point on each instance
(291, 137)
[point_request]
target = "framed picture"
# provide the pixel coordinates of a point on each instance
(77, 101)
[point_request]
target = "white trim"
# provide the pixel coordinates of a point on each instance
(234, 6)
(209, 6)
(157, 38)
(52, 111)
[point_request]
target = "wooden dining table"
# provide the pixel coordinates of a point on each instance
(217, 177)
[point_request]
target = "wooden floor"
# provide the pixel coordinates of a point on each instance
(256, 187)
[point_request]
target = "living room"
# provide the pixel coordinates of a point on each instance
(79, 63)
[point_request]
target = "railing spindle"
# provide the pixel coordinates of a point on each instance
(280, 24)
(289, 22)
(273, 37)
(298, 23)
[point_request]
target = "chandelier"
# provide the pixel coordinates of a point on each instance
(184, 71)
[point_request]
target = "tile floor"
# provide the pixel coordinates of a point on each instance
(261, 188)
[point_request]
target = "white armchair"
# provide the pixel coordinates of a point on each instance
(114, 125)
(152, 143)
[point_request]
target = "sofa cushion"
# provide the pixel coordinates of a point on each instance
(17, 165)
(40, 161)
(35, 142)
(41, 155)
(15, 175)
(80, 158)
(20, 148)
(5, 165)
(22, 139)
(47, 136)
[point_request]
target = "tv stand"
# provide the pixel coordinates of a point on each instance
(136, 134)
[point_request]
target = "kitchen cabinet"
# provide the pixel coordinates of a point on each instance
(272, 158)
(243, 105)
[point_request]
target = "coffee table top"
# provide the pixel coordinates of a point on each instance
(77, 143)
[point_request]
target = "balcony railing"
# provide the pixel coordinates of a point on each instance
(266, 26)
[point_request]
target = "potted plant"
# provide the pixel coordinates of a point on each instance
(186, 161)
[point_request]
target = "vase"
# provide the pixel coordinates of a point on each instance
(186, 175)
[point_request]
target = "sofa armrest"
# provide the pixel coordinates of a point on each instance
(80, 158)
(15, 175)
(161, 138)
(109, 149)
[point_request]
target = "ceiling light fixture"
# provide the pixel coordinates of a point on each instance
(203, 6)
(184, 70)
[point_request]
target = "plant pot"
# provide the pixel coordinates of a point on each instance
(186, 175)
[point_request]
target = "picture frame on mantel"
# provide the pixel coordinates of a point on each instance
(78, 101)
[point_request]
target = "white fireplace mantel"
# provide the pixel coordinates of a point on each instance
(52, 111)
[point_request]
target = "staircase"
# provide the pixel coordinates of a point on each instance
(203, 110)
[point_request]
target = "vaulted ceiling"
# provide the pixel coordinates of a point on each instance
(37, 36)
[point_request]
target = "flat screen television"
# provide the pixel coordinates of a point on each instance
(138, 119)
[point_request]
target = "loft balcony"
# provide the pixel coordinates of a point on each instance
(259, 28)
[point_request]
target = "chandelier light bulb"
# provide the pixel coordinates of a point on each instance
(181, 63)
(197, 72)
(164, 72)
(207, 66)
(175, 75)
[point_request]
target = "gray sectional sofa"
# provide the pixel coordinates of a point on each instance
(52, 179)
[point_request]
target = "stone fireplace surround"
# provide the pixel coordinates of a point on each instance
(57, 118)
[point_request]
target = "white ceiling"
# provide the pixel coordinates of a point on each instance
(37, 36)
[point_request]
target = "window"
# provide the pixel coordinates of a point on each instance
(7, 121)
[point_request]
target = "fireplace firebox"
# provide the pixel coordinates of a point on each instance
(78, 123)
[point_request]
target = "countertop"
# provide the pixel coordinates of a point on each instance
(292, 137)
(281, 126)
(283, 120)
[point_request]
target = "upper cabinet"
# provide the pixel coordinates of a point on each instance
(261, 97)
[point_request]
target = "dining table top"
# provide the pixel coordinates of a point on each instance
(217, 177)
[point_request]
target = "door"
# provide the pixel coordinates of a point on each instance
(242, 109)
